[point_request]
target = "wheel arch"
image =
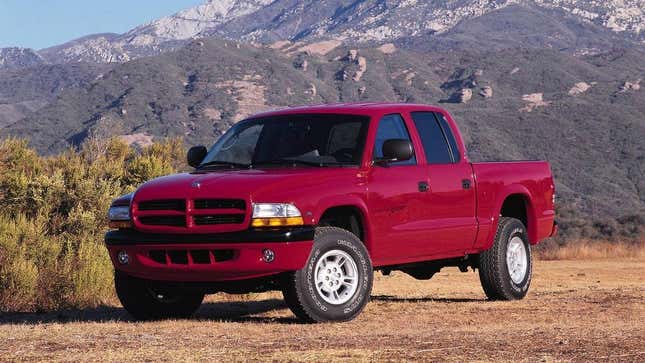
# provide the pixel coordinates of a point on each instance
(350, 215)
(515, 202)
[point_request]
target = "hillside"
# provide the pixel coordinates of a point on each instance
(584, 114)
(14, 57)
(578, 25)
(527, 26)
(26, 90)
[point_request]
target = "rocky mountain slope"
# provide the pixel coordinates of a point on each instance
(523, 26)
(26, 90)
(14, 57)
(577, 25)
(584, 114)
(155, 37)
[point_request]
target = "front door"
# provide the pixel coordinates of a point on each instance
(396, 199)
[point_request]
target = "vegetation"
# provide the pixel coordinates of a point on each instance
(52, 221)
(52, 218)
(592, 249)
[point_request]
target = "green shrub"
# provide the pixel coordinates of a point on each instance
(52, 218)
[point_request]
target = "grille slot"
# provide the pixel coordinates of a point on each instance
(175, 221)
(223, 255)
(158, 256)
(178, 257)
(220, 204)
(214, 219)
(167, 204)
(198, 257)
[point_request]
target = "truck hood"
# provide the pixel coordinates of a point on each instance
(238, 184)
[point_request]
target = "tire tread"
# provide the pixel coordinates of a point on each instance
(492, 262)
(294, 296)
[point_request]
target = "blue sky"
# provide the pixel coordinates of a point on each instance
(43, 23)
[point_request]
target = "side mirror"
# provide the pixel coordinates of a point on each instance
(196, 155)
(397, 150)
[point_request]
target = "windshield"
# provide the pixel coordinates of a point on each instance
(307, 139)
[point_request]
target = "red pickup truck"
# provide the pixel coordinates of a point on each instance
(311, 200)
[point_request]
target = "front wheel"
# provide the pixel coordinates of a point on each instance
(505, 269)
(146, 303)
(336, 282)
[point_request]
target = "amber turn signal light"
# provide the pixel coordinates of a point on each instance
(277, 222)
(120, 224)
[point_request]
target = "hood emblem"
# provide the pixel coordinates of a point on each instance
(196, 185)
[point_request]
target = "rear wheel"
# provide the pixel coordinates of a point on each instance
(336, 282)
(144, 302)
(505, 269)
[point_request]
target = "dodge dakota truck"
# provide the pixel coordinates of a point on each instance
(312, 200)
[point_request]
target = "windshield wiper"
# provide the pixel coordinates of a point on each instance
(224, 163)
(294, 162)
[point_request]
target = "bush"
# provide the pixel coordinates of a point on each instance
(52, 218)
(574, 226)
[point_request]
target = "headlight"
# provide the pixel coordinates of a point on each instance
(120, 213)
(276, 215)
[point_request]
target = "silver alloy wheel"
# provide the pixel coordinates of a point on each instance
(516, 259)
(336, 277)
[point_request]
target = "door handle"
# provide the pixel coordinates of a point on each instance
(465, 183)
(423, 186)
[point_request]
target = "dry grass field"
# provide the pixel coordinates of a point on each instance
(577, 310)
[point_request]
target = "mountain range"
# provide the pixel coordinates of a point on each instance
(572, 24)
(546, 79)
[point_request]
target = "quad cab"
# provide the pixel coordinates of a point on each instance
(311, 200)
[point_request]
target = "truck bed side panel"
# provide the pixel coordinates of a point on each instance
(496, 181)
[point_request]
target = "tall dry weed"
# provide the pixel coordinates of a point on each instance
(589, 249)
(52, 218)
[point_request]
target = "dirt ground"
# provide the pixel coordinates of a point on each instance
(591, 310)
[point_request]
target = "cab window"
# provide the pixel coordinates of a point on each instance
(391, 127)
(433, 138)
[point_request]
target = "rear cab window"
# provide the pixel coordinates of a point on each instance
(447, 130)
(439, 143)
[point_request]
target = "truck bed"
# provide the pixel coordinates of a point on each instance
(533, 184)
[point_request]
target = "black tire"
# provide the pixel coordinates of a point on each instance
(145, 303)
(299, 289)
(493, 268)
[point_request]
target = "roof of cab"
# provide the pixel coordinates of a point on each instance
(359, 108)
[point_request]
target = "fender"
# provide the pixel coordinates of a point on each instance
(350, 200)
(507, 191)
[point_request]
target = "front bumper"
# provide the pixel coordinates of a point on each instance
(210, 258)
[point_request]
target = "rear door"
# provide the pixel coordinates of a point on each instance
(450, 209)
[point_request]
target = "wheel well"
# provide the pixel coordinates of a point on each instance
(515, 206)
(345, 217)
